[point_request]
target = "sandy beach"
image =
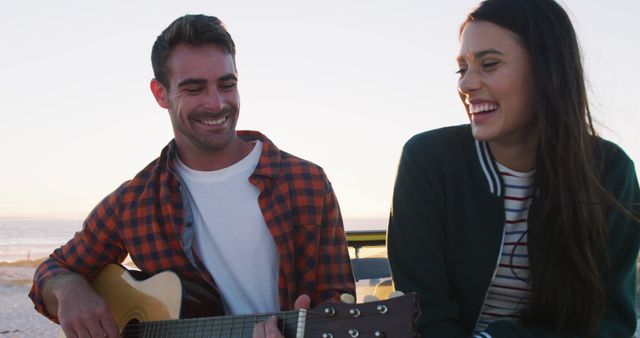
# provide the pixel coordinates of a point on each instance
(18, 319)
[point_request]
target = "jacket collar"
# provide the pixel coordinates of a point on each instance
(489, 168)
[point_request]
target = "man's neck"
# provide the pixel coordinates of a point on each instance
(209, 160)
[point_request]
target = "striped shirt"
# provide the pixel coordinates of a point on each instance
(510, 287)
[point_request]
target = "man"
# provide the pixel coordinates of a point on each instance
(227, 208)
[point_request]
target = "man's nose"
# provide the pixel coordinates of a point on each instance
(214, 100)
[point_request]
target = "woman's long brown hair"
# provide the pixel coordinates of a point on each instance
(567, 238)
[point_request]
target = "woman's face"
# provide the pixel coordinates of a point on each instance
(496, 85)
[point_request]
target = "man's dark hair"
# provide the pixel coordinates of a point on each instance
(194, 30)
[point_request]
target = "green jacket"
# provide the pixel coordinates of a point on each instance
(446, 227)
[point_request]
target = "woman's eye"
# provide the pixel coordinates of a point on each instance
(490, 64)
(461, 71)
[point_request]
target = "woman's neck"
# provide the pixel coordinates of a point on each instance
(519, 157)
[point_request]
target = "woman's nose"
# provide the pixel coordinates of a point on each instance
(469, 82)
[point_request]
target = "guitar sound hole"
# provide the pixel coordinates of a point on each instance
(132, 329)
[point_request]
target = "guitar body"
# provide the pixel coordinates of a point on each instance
(133, 297)
(156, 298)
(164, 306)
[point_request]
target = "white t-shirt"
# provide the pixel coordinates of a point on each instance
(231, 236)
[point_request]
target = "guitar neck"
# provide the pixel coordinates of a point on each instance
(151, 308)
(291, 324)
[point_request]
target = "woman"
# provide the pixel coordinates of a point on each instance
(523, 223)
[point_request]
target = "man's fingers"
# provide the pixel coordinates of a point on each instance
(347, 298)
(303, 302)
(81, 311)
(79, 332)
(271, 328)
(95, 330)
(267, 329)
(69, 332)
(109, 327)
(106, 327)
(258, 330)
(74, 330)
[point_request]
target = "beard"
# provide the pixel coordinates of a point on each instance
(206, 137)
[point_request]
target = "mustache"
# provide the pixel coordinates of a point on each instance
(224, 111)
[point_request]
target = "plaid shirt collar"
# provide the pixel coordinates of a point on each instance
(267, 165)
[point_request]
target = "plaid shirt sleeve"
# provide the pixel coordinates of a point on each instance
(320, 265)
(334, 275)
(93, 247)
(302, 213)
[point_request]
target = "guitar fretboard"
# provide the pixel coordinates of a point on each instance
(291, 324)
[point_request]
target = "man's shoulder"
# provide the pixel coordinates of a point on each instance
(293, 164)
(138, 183)
(149, 177)
(280, 161)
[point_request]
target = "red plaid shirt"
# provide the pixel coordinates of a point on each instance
(145, 218)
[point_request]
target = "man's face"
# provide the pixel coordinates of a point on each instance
(202, 98)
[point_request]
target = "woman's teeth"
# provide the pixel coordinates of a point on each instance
(483, 107)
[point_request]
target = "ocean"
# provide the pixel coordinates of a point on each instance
(24, 239)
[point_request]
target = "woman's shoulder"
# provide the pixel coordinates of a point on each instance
(440, 139)
(613, 156)
(445, 150)
(616, 168)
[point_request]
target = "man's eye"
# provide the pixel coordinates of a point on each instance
(228, 85)
(461, 71)
(193, 90)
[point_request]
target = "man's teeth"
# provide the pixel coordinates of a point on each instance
(483, 107)
(214, 122)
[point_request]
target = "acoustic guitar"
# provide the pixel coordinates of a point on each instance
(155, 307)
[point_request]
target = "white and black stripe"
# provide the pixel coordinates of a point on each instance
(489, 168)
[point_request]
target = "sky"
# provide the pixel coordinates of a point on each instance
(343, 83)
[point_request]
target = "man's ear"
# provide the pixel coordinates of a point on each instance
(160, 93)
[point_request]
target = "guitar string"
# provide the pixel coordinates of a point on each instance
(219, 330)
(199, 326)
(220, 325)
